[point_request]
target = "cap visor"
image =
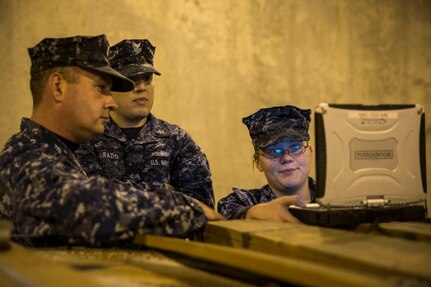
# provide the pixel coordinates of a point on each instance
(287, 135)
(120, 83)
(135, 70)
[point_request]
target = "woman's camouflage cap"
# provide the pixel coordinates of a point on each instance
(270, 126)
(87, 52)
(133, 57)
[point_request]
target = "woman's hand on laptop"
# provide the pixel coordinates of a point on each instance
(276, 210)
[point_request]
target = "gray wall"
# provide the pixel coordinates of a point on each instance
(222, 60)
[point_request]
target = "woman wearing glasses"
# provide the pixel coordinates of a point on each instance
(280, 139)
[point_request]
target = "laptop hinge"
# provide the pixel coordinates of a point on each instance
(375, 202)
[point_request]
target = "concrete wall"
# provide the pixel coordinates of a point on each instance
(222, 60)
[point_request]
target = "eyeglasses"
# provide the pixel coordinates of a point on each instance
(276, 153)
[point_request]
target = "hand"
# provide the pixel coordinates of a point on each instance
(210, 213)
(276, 210)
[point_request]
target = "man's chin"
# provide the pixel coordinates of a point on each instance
(99, 130)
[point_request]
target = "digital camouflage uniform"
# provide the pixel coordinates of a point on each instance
(239, 201)
(267, 127)
(161, 153)
(51, 201)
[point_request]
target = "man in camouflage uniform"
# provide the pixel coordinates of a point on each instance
(43, 189)
(280, 139)
(139, 147)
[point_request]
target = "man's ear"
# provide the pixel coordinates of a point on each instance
(56, 86)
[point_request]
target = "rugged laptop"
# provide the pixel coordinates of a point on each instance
(370, 165)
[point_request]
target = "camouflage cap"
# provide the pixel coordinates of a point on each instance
(133, 57)
(87, 52)
(276, 124)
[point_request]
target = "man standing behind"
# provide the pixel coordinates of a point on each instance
(138, 147)
(43, 188)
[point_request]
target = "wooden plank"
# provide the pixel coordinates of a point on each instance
(416, 231)
(282, 269)
(23, 267)
(79, 266)
(393, 257)
(94, 267)
(134, 267)
(236, 233)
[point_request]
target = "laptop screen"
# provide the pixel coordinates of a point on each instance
(370, 155)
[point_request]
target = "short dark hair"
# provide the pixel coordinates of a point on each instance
(38, 81)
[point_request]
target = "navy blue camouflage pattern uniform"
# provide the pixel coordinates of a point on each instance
(49, 198)
(239, 201)
(267, 126)
(161, 153)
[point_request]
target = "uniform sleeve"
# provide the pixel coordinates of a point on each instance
(86, 154)
(191, 172)
(236, 204)
(5, 200)
(53, 198)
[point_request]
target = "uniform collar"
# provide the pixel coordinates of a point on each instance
(41, 132)
(311, 185)
(55, 143)
(152, 130)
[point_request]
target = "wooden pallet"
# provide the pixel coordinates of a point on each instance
(21, 267)
(416, 231)
(398, 260)
(236, 253)
(92, 267)
(264, 267)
